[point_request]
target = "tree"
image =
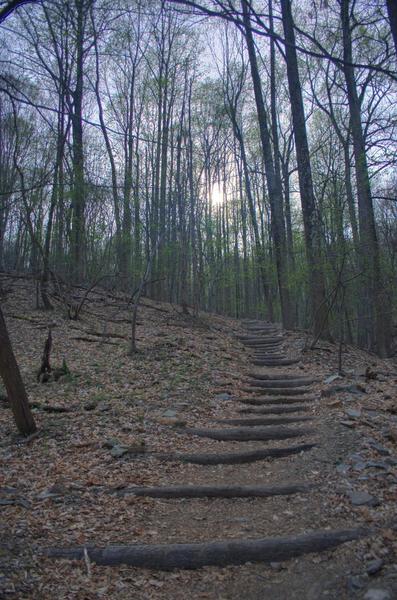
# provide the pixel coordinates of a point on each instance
(12, 379)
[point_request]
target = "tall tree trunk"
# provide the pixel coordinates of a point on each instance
(319, 306)
(392, 12)
(372, 283)
(78, 192)
(273, 183)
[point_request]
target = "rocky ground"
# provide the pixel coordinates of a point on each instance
(116, 422)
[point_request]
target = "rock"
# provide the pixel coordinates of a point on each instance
(276, 566)
(377, 594)
(358, 498)
(90, 405)
(170, 413)
(174, 422)
(332, 378)
(118, 451)
(353, 413)
(374, 566)
(224, 396)
(354, 583)
(350, 424)
(110, 443)
(103, 406)
(342, 468)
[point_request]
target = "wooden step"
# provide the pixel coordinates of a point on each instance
(273, 362)
(248, 434)
(275, 383)
(254, 389)
(263, 400)
(276, 409)
(217, 491)
(276, 376)
(256, 421)
(237, 458)
(201, 554)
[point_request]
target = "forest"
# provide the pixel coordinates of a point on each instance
(231, 157)
(198, 299)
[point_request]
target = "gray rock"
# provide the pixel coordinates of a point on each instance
(374, 566)
(377, 594)
(354, 583)
(103, 406)
(349, 424)
(332, 378)
(358, 498)
(110, 443)
(169, 413)
(118, 451)
(342, 468)
(224, 396)
(353, 413)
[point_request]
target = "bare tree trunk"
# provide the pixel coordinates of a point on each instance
(11, 376)
(317, 284)
(372, 284)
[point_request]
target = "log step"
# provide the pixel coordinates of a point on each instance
(217, 491)
(220, 553)
(274, 358)
(275, 362)
(279, 376)
(249, 434)
(238, 458)
(276, 400)
(253, 422)
(280, 383)
(262, 340)
(274, 410)
(255, 389)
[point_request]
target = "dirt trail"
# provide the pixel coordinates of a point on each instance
(290, 515)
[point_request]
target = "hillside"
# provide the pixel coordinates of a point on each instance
(117, 421)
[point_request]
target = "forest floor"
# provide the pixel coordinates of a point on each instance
(65, 487)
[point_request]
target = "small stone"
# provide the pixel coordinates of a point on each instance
(276, 566)
(353, 413)
(342, 468)
(170, 413)
(354, 583)
(374, 566)
(224, 396)
(118, 451)
(358, 498)
(350, 424)
(110, 443)
(332, 378)
(377, 594)
(103, 406)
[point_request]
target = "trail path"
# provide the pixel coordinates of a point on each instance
(259, 492)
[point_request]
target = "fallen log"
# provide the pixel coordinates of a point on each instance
(264, 421)
(220, 553)
(217, 491)
(279, 383)
(256, 388)
(274, 376)
(248, 434)
(276, 400)
(271, 362)
(273, 410)
(237, 458)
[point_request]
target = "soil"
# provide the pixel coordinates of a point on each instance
(60, 488)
